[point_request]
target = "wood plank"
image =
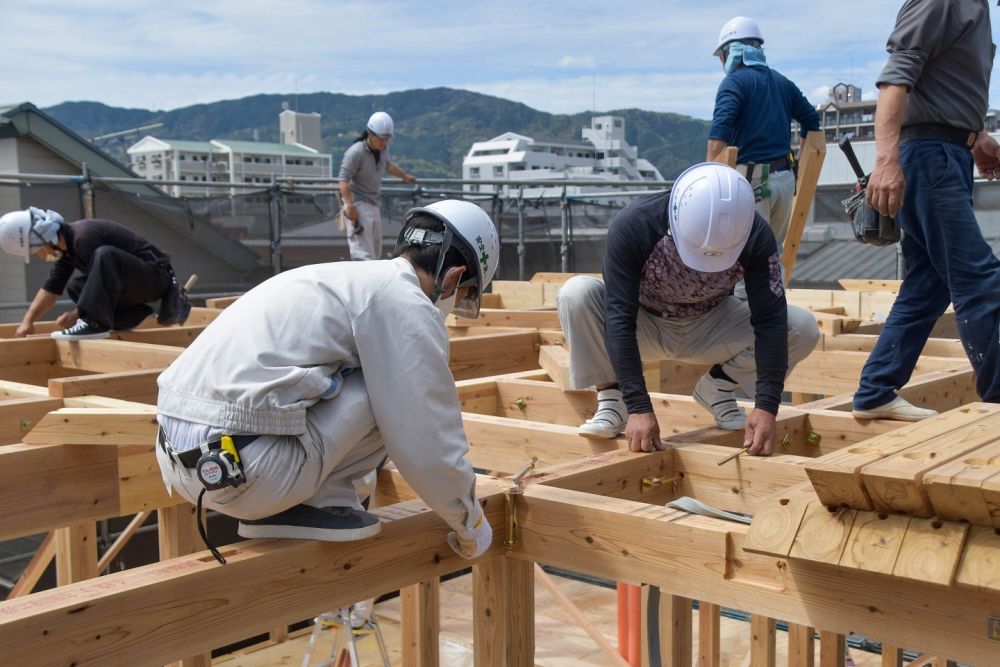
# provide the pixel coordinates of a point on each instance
(991, 494)
(89, 426)
(980, 564)
(481, 356)
(709, 634)
(76, 553)
(35, 569)
(955, 488)
(202, 316)
(179, 336)
(812, 152)
(554, 360)
(139, 386)
(519, 294)
(420, 623)
(837, 476)
(935, 347)
(544, 402)
(221, 302)
(801, 646)
(938, 390)
(777, 521)
(762, 641)
(522, 319)
(109, 356)
(617, 474)
(874, 542)
(10, 389)
(503, 613)
(892, 656)
(822, 534)
(27, 352)
(832, 649)
(140, 483)
(931, 550)
(831, 373)
(896, 482)
(867, 285)
(676, 630)
(19, 415)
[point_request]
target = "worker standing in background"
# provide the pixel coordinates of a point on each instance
(361, 171)
(672, 261)
(754, 107)
(929, 131)
(120, 274)
(303, 386)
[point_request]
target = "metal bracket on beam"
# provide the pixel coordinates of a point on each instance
(510, 496)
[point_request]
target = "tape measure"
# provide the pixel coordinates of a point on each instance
(219, 468)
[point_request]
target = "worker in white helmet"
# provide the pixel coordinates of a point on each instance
(672, 261)
(754, 107)
(305, 384)
(361, 171)
(118, 274)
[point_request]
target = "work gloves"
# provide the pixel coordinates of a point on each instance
(473, 543)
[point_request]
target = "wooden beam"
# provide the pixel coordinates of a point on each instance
(27, 352)
(866, 285)
(221, 302)
(19, 415)
(521, 319)
(108, 557)
(76, 553)
(812, 152)
(481, 356)
(88, 426)
(938, 390)
(180, 336)
(109, 356)
(420, 623)
(36, 567)
(138, 386)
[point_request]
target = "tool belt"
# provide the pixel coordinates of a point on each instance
(189, 459)
(939, 131)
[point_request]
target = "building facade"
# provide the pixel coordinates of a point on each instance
(601, 154)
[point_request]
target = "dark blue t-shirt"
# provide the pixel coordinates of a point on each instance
(754, 109)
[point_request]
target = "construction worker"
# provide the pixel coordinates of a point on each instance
(754, 107)
(672, 261)
(361, 171)
(305, 384)
(120, 274)
(929, 131)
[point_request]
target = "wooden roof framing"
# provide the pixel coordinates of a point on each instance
(589, 506)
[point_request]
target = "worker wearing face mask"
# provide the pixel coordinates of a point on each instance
(120, 273)
(310, 380)
(754, 107)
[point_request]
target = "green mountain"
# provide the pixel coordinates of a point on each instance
(434, 127)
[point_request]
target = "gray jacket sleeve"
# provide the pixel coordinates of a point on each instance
(349, 165)
(921, 31)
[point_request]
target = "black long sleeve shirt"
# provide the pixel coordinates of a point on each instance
(84, 237)
(642, 268)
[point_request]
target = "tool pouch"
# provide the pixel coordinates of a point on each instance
(869, 225)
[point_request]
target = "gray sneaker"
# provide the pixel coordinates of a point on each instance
(716, 396)
(302, 522)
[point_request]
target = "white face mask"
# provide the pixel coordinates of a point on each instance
(54, 256)
(445, 305)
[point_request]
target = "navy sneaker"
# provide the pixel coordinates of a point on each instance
(301, 522)
(82, 330)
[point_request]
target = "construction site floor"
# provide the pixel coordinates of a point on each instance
(559, 642)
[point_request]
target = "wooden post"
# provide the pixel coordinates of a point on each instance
(421, 623)
(892, 656)
(801, 646)
(76, 553)
(177, 532)
(832, 649)
(675, 631)
(709, 651)
(503, 600)
(762, 644)
(811, 156)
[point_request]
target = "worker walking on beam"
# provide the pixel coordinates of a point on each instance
(672, 261)
(929, 131)
(305, 384)
(361, 171)
(754, 107)
(120, 274)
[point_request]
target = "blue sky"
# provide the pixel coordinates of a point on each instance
(559, 57)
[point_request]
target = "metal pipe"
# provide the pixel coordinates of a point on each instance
(520, 234)
(274, 231)
(564, 232)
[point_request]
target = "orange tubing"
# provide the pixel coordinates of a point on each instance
(623, 619)
(634, 626)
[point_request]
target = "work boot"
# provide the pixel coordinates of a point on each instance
(82, 330)
(610, 418)
(716, 395)
(899, 409)
(302, 522)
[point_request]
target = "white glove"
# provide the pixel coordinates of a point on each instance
(474, 543)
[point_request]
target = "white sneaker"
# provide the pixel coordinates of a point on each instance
(716, 396)
(899, 409)
(610, 418)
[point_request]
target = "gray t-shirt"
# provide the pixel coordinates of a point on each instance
(364, 174)
(943, 51)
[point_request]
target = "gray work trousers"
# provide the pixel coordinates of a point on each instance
(319, 468)
(366, 244)
(721, 336)
(777, 209)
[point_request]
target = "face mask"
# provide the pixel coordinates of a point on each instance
(55, 257)
(445, 305)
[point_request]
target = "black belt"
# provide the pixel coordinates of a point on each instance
(953, 135)
(780, 164)
(652, 311)
(189, 459)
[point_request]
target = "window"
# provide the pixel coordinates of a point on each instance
(598, 126)
(498, 171)
(618, 123)
(473, 188)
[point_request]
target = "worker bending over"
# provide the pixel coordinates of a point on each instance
(120, 274)
(672, 261)
(307, 382)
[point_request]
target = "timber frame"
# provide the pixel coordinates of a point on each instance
(83, 412)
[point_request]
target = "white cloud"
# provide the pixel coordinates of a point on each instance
(577, 62)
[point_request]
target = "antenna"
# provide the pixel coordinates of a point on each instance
(296, 92)
(124, 133)
(593, 89)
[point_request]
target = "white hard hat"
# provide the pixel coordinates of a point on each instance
(380, 123)
(469, 229)
(738, 28)
(15, 234)
(711, 214)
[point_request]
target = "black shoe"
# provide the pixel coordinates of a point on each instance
(171, 304)
(81, 330)
(331, 524)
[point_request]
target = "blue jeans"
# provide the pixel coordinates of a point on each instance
(947, 260)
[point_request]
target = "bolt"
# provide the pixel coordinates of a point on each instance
(520, 403)
(814, 438)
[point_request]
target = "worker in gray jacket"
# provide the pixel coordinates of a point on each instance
(306, 383)
(929, 132)
(361, 171)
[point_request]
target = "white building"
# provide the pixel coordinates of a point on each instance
(602, 154)
(225, 161)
